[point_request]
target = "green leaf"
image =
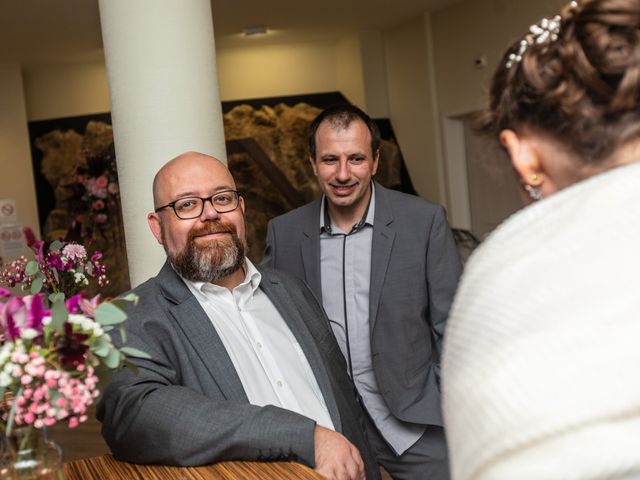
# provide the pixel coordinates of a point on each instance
(36, 286)
(56, 245)
(56, 297)
(59, 315)
(101, 348)
(134, 352)
(90, 269)
(31, 268)
(109, 314)
(113, 359)
(121, 302)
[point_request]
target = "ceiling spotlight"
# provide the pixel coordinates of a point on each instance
(257, 30)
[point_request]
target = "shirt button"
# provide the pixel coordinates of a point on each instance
(279, 382)
(259, 345)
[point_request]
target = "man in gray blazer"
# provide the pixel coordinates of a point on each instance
(385, 267)
(244, 365)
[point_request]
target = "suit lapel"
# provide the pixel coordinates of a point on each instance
(294, 319)
(310, 249)
(202, 335)
(382, 242)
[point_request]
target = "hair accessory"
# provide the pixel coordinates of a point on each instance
(534, 192)
(534, 177)
(541, 32)
(545, 30)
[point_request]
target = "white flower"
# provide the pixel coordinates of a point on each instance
(81, 278)
(29, 333)
(5, 379)
(46, 320)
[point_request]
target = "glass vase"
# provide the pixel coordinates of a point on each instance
(28, 454)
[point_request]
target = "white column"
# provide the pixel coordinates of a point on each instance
(163, 84)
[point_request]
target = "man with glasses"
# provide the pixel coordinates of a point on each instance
(243, 363)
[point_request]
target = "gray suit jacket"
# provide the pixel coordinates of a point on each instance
(187, 406)
(414, 274)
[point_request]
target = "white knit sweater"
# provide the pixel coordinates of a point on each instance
(541, 364)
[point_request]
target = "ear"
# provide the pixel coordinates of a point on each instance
(154, 224)
(525, 157)
(376, 158)
(241, 200)
(313, 165)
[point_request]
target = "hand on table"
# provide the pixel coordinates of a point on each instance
(336, 457)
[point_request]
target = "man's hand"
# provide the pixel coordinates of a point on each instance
(336, 457)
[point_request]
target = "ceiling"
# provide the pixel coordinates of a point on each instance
(55, 31)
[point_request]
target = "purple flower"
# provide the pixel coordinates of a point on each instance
(4, 293)
(97, 255)
(71, 347)
(21, 313)
(54, 261)
(73, 303)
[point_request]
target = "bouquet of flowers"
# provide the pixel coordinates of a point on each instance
(54, 341)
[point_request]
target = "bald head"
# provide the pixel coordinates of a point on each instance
(178, 176)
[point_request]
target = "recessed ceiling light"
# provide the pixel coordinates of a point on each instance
(257, 30)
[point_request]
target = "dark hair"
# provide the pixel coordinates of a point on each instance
(583, 88)
(340, 117)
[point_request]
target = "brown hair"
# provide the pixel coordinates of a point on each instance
(583, 88)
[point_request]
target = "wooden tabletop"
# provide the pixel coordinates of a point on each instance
(106, 467)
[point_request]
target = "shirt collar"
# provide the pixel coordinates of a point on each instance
(326, 225)
(252, 279)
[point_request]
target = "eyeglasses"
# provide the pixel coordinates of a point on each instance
(192, 207)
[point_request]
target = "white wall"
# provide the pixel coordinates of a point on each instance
(349, 73)
(411, 104)
(66, 90)
(16, 180)
(276, 70)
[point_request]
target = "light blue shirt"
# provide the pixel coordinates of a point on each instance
(350, 252)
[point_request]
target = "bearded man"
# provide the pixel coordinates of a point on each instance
(244, 365)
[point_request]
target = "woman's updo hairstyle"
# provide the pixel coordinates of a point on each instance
(580, 82)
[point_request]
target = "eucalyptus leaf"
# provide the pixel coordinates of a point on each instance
(56, 297)
(90, 269)
(113, 359)
(36, 286)
(31, 268)
(134, 352)
(101, 347)
(56, 245)
(59, 315)
(108, 314)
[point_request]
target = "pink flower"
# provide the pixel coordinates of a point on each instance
(74, 251)
(88, 306)
(98, 205)
(101, 218)
(113, 188)
(4, 293)
(102, 181)
(73, 422)
(20, 313)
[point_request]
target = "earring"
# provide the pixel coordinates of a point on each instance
(534, 192)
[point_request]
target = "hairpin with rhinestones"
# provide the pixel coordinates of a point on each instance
(545, 30)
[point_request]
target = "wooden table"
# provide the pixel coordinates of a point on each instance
(106, 467)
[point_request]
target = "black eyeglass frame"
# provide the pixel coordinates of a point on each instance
(204, 200)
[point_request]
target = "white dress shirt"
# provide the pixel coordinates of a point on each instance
(271, 365)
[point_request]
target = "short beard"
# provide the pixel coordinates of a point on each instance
(212, 261)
